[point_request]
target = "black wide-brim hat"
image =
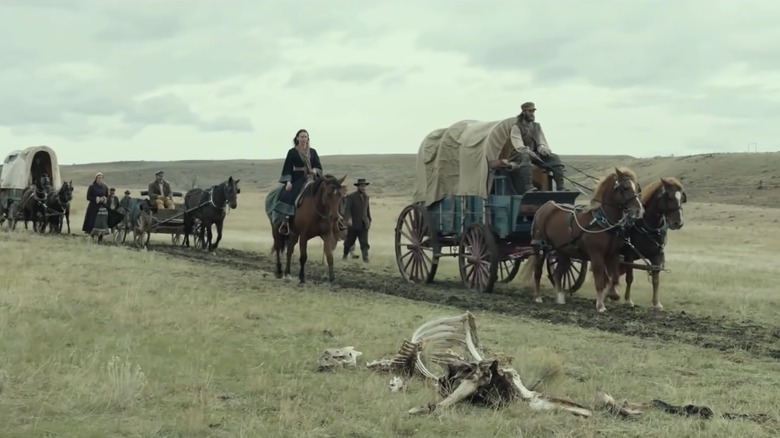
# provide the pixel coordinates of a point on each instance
(361, 181)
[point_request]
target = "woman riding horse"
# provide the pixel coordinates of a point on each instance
(300, 166)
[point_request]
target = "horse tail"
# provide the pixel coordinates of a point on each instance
(527, 269)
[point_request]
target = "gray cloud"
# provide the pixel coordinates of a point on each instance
(355, 73)
(736, 103)
(623, 45)
(96, 59)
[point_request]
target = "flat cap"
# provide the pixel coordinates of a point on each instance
(527, 105)
(159, 172)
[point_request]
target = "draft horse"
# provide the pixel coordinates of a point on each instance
(591, 233)
(663, 203)
(33, 204)
(59, 205)
(316, 215)
(209, 207)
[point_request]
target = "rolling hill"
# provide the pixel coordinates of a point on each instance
(734, 178)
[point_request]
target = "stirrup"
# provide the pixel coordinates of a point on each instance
(284, 228)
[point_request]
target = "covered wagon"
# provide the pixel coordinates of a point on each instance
(464, 206)
(25, 168)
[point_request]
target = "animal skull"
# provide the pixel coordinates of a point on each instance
(338, 357)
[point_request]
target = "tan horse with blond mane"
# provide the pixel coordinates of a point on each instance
(589, 233)
(663, 203)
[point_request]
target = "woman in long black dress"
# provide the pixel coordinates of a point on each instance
(300, 165)
(97, 194)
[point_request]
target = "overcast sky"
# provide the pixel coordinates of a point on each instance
(216, 79)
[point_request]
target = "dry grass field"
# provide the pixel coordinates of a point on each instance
(106, 341)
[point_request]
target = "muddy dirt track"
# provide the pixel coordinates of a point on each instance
(702, 331)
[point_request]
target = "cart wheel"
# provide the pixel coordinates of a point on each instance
(196, 240)
(139, 237)
(478, 258)
(507, 270)
(119, 236)
(573, 278)
(176, 239)
(417, 247)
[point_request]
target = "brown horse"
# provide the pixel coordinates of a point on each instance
(316, 216)
(591, 233)
(663, 202)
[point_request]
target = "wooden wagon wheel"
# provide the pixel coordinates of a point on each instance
(478, 258)
(417, 246)
(119, 235)
(508, 269)
(573, 278)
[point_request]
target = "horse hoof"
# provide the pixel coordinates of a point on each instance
(561, 298)
(658, 307)
(538, 300)
(630, 303)
(601, 309)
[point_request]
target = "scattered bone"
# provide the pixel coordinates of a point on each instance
(469, 376)
(628, 409)
(397, 384)
(338, 357)
(403, 363)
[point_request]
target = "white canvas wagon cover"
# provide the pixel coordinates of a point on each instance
(22, 166)
(454, 160)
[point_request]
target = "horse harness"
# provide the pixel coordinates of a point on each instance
(210, 200)
(655, 235)
(599, 218)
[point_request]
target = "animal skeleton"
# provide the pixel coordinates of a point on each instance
(470, 377)
(467, 376)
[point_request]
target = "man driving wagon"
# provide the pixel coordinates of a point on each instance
(160, 193)
(530, 147)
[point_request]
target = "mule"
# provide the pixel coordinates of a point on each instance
(209, 207)
(663, 203)
(316, 215)
(589, 233)
(59, 204)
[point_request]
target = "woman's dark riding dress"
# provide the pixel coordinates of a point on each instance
(296, 170)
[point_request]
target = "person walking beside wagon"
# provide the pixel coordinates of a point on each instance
(357, 213)
(97, 195)
(301, 165)
(530, 147)
(160, 192)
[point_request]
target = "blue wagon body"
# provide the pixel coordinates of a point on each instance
(507, 215)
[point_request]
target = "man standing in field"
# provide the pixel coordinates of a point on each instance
(358, 216)
(530, 147)
(160, 192)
